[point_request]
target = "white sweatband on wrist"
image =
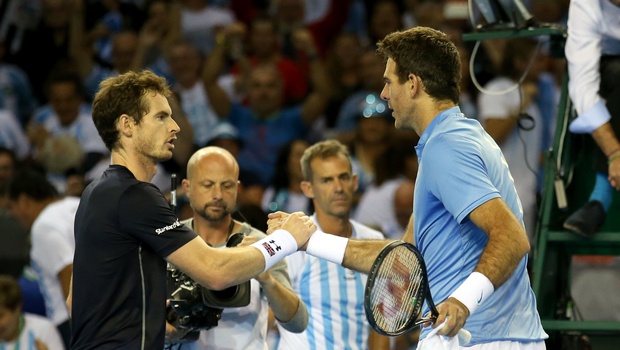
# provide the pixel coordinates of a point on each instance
(327, 247)
(276, 246)
(474, 291)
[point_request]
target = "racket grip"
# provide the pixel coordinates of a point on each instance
(464, 336)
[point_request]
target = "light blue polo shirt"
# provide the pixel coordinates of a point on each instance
(460, 168)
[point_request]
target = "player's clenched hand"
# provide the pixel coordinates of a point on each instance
(300, 226)
(456, 313)
(276, 220)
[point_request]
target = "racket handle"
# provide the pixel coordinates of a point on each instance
(464, 336)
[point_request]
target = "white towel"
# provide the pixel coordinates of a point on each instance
(434, 341)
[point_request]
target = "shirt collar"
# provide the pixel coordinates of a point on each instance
(439, 118)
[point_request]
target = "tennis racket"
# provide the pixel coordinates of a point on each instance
(395, 291)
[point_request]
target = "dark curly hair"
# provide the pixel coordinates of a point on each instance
(429, 54)
(124, 94)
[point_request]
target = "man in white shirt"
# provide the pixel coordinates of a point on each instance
(36, 203)
(593, 56)
(333, 294)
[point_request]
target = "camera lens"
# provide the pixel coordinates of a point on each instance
(226, 294)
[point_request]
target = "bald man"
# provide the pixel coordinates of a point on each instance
(211, 185)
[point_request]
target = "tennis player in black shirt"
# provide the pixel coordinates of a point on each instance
(125, 231)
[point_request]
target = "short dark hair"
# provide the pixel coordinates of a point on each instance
(124, 94)
(322, 150)
(31, 183)
(429, 54)
(10, 294)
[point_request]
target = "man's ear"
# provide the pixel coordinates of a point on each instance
(185, 185)
(414, 84)
(306, 188)
(125, 125)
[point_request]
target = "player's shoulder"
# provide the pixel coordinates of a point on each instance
(459, 137)
(138, 189)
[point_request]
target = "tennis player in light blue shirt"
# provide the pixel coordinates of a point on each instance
(467, 219)
(471, 171)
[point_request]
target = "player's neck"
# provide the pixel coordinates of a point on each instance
(144, 169)
(428, 111)
(215, 233)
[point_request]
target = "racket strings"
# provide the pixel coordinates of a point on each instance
(398, 293)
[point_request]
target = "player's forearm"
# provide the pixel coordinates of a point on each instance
(360, 254)
(503, 254)
(507, 244)
(221, 268)
(238, 266)
(500, 258)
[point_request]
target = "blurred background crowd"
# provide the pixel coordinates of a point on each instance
(264, 79)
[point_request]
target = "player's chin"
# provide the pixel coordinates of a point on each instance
(398, 124)
(164, 156)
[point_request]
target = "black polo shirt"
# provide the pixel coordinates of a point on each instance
(124, 228)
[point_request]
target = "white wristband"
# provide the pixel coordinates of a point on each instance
(328, 247)
(474, 291)
(276, 246)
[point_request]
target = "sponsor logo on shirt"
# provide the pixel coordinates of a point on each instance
(168, 228)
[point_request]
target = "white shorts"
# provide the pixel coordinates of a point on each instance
(498, 345)
(433, 341)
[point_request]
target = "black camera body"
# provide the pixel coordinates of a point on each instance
(194, 307)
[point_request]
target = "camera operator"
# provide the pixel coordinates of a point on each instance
(125, 231)
(211, 185)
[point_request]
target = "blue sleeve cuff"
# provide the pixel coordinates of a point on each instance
(591, 119)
